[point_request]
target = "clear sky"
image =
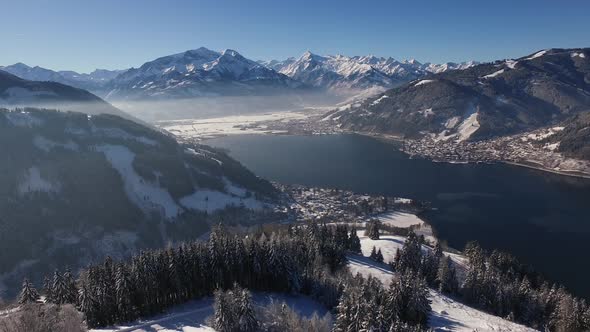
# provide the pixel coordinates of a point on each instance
(85, 34)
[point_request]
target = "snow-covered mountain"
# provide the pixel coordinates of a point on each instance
(200, 72)
(483, 101)
(78, 187)
(357, 72)
(92, 81)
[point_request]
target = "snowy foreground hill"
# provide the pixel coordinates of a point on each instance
(447, 314)
(79, 187)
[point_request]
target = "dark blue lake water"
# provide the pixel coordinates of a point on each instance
(542, 218)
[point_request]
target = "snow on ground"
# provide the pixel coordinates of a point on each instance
(536, 55)
(23, 119)
(422, 82)
(231, 125)
(580, 55)
(33, 182)
(400, 219)
(468, 127)
(452, 122)
(450, 315)
(378, 100)
(542, 134)
(147, 196)
(447, 314)
(511, 64)
(494, 74)
(192, 316)
(48, 145)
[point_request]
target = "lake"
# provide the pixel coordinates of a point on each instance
(542, 218)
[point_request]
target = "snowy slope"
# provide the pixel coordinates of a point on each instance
(192, 317)
(447, 314)
(103, 185)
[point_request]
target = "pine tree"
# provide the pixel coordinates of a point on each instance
(410, 256)
(373, 228)
(379, 256)
(373, 255)
(446, 278)
(224, 317)
(124, 300)
(408, 300)
(247, 321)
(71, 290)
(47, 289)
(28, 293)
(355, 242)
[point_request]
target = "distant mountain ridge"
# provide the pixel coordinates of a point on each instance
(204, 72)
(91, 81)
(19, 92)
(357, 72)
(482, 101)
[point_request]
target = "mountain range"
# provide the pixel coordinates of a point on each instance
(482, 101)
(92, 81)
(358, 72)
(203, 72)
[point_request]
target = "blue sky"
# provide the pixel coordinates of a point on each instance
(85, 34)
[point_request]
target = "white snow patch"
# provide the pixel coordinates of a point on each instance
(452, 122)
(33, 182)
(511, 64)
(400, 219)
(47, 145)
(146, 195)
(450, 315)
(378, 100)
(494, 74)
(580, 55)
(536, 55)
(468, 127)
(552, 147)
(422, 82)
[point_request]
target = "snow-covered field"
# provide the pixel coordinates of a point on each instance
(192, 316)
(447, 314)
(230, 125)
(400, 219)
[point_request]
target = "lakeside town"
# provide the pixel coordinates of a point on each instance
(334, 205)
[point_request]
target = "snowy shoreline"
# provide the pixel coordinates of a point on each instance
(394, 140)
